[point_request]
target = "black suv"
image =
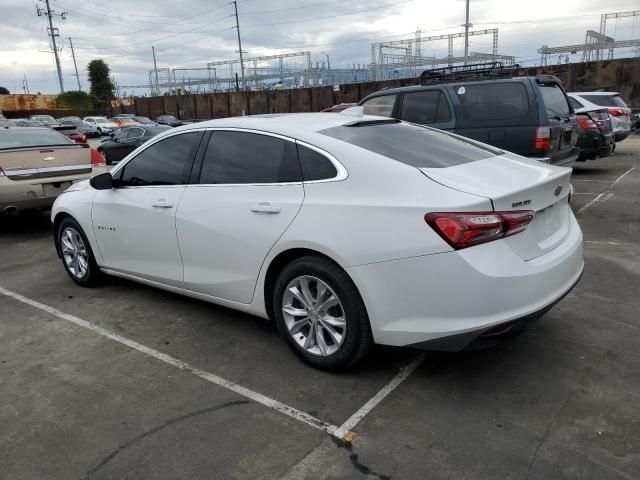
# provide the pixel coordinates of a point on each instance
(530, 116)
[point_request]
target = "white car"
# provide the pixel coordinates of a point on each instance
(346, 230)
(619, 111)
(103, 125)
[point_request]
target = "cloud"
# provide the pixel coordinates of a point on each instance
(191, 33)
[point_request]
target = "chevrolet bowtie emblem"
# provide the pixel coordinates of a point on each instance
(48, 159)
(558, 190)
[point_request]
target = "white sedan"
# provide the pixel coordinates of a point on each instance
(346, 230)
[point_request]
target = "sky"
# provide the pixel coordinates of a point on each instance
(190, 33)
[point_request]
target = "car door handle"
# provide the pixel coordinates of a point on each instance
(265, 207)
(162, 203)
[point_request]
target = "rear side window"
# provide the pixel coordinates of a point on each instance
(381, 106)
(315, 166)
(163, 163)
(15, 138)
(241, 157)
(554, 100)
(493, 101)
(606, 100)
(413, 145)
(427, 106)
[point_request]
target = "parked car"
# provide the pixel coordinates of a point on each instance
(103, 125)
(530, 116)
(46, 120)
(83, 127)
(37, 164)
(339, 107)
(143, 120)
(127, 140)
(123, 121)
(171, 121)
(595, 138)
(347, 231)
(23, 122)
(125, 115)
(72, 132)
(72, 117)
(618, 110)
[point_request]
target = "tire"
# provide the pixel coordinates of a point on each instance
(106, 157)
(339, 347)
(71, 238)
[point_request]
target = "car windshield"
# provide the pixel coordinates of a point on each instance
(168, 118)
(414, 145)
(156, 130)
(16, 138)
(606, 100)
(45, 120)
(142, 120)
(77, 123)
(100, 119)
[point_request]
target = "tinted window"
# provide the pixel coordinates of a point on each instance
(134, 133)
(30, 138)
(382, 106)
(554, 100)
(606, 100)
(163, 163)
(428, 106)
(493, 101)
(413, 145)
(240, 157)
(315, 166)
(575, 103)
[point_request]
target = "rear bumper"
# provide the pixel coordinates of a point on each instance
(621, 135)
(30, 194)
(463, 294)
(561, 160)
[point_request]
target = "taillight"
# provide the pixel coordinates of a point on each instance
(97, 160)
(587, 124)
(466, 229)
(617, 112)
(543, 138)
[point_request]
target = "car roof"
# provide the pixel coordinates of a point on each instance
(412, 88)
(296, 125)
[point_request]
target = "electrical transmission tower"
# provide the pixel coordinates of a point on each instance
(53, 33)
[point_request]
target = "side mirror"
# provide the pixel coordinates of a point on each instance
(104, 181)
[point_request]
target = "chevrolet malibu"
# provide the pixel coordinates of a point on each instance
(346, 230)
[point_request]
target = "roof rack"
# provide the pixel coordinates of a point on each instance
(476, 71)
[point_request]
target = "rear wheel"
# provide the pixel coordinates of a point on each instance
(77, 256)
(320, 313)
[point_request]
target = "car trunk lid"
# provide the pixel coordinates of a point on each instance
(515, 183)
(41, 162)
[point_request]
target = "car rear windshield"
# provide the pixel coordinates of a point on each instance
(493, 101)
(16, 138)
(414, 145)
(554, 100)
(606, 100)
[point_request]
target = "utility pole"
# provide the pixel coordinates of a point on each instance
(75, 65)
(466, 33)
(25, 85)
(53, 33)
(155, 69)
(235, 6)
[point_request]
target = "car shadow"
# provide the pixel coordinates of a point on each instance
(36, 222)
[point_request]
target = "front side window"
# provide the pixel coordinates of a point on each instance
(134, 133)
(163, 163)
(493, 101)
(381, 106)
(427, 106)
(242, 157)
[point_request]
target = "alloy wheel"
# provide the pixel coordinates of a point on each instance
(314, 316)
(74, 252)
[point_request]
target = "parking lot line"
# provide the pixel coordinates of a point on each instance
(347, 427)
(169, 360)
(602, 194)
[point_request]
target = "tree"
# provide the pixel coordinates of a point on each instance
(102, 88)
(4, 91)
(75, 100)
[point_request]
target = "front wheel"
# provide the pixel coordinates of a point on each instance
(76, 253)
(320, 313)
